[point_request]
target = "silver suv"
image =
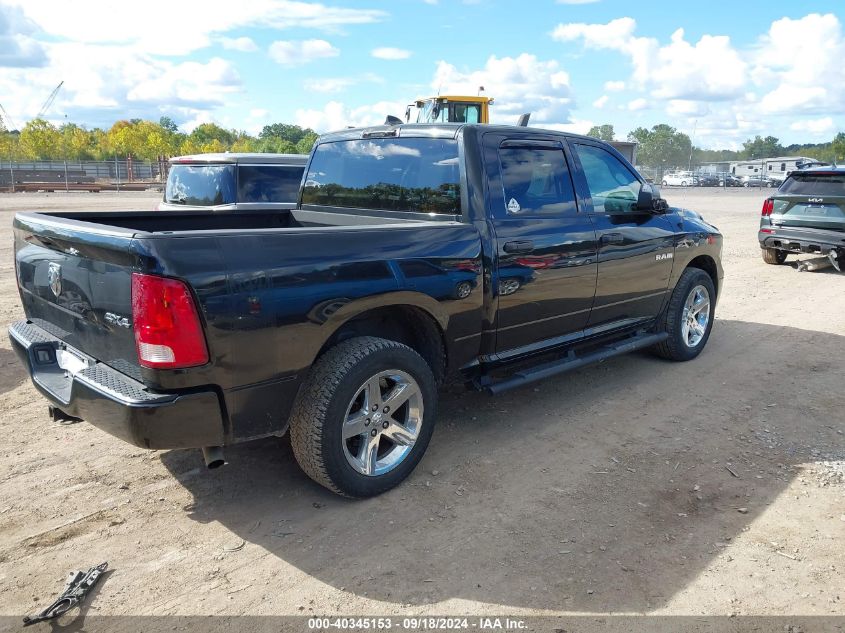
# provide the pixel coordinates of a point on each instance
(233, 181)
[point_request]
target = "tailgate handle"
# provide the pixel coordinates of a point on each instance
(524, 246)
(612, 238)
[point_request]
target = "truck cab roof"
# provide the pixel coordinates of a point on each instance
(242, 158)
(435, 130)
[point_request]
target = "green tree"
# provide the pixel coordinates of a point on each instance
(837, 147)
(304, 145)
(76, 142)
(284, 131)
(168, 124)
(602, 132)
(40, 140)
(206, 133)
(759, 147)
(661, 146)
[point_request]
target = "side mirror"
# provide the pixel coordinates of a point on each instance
(649, 199)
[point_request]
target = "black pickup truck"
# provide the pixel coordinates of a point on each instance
(417, 253)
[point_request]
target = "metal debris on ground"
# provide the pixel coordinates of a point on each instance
(77, 586)
(817, 263)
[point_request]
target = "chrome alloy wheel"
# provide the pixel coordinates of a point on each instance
(382, 422)
(696, 316)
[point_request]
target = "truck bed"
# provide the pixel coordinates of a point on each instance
(203, 220)
(271, 288)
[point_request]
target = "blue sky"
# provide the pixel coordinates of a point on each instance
(722, 71)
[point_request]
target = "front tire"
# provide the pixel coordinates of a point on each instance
(689, 316)
(774, 256)
(364, 417)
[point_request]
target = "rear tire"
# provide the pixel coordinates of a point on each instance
(343, 433)
(685, 320)
(774, 256)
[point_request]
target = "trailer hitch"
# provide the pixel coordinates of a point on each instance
(77, 586)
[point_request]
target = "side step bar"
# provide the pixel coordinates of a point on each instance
(573, 361)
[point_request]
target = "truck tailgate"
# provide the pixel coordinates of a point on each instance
(76, 285)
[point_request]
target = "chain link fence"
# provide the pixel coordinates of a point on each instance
(82, 172)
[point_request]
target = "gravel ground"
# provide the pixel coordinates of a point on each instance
(635, 486)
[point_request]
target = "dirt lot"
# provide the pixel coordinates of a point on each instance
(635, 486)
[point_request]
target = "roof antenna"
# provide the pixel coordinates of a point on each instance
(480, 90)
(523, 119)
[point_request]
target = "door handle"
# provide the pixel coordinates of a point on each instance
(612, 238)
(523, 246)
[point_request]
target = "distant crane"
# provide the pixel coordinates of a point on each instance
(50, 100)
(6, 120)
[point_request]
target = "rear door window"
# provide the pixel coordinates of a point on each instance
(269, 183)
(394, 174)
(536, 181)
(200, 185)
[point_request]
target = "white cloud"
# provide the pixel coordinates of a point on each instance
(180, 83)
(823, 125)
(387, 52)
(187, 24)
(799, 65)
(119, 66)
(687, 108)
(299, 52)
(519, 84)
(577, 126)
(106, 83)
(241, 44)
(709, 69)
(328, 84)
(794, 69)
(600, 102)
(637, 105)
(17, 48)
(339, 84)
(335, 115)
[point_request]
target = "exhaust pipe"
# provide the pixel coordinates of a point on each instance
(213, 456)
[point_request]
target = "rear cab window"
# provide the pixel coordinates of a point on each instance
(268, 183)
(410, 175)
(201, 185)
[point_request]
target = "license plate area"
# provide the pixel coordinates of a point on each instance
(70, 362)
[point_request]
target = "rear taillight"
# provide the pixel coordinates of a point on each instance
(768, 207)
(168, 333)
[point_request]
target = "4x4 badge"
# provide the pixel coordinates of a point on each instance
(54, 278)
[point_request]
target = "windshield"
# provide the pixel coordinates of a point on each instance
(200, 185)
(814, 185)
(450, 112)
(395, 174)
